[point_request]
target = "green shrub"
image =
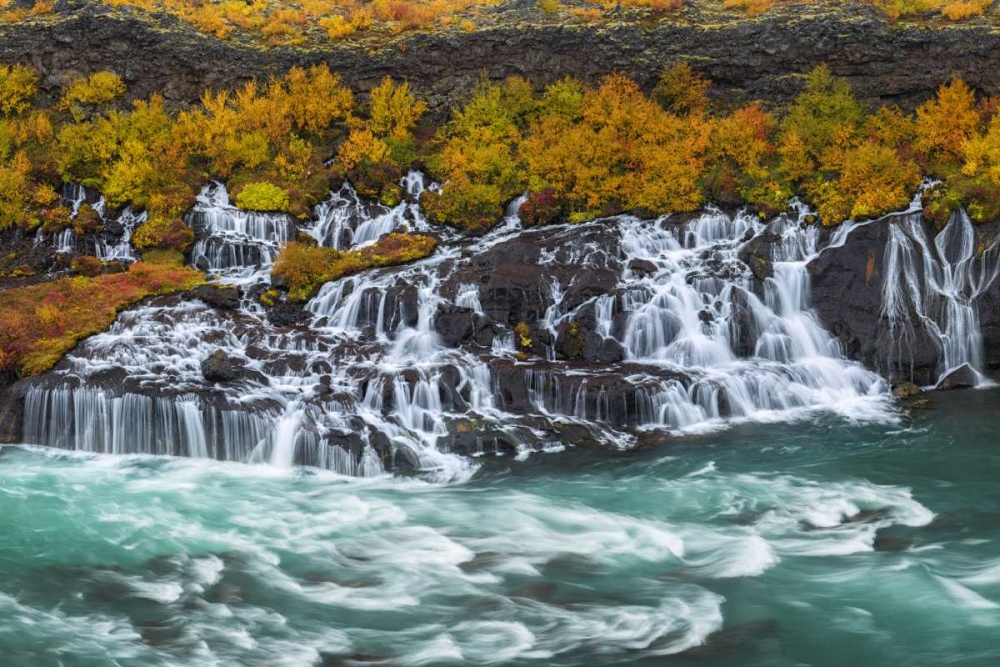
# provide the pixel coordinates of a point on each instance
(86, 266)
(163, 232)
(263, 196)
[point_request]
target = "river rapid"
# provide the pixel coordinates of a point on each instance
(818, 542)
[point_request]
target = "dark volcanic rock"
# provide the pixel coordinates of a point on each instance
(642, 267)
(454, 324)
(165, 56)
(962, 377)
(226, 297)
(758, 254)
(573, 342)
(286, 314)
(11, 410)
(890, 543)
(221, 367)
(515, 278)
(987, 235)
(606, 395)
(401, 306)
(847, 295)
(468, 436)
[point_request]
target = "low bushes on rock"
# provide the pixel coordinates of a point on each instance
(42, 323)
(303, 269)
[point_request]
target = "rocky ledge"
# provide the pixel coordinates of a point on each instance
(520, 338)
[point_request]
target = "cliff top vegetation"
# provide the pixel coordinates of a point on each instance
(311, 23)
(579, 151)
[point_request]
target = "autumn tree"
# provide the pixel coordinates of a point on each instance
(981, 154)
(381, 143)
(681, 90)
(17, 86)
(84, 96)
(476, 156)
(14, 190)
(945, 123)
(611, 148)
(819, 126)
(873, 182)
(741, 160)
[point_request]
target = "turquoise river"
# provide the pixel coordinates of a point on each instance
(820, 542)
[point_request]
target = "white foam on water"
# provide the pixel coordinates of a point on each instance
(495, 642)
(987, 575)
(967, 597)
(728, 556)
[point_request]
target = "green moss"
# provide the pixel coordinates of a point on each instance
(164, 256)
(573, 342)
(86, 266)
(269, 298)
(523, 332)
(163, 232)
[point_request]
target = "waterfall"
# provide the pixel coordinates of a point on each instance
(65, 241)
(237, 245)
(121, 249)
(699, 309)
(114, 242)
(284, 440)
(375, 383)
(934, 287)
(344, 220)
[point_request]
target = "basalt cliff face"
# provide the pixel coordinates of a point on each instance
(610, 333)
(747, 60)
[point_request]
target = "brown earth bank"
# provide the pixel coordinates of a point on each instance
(752, 59)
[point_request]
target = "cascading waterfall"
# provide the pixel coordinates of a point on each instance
(370, 383)
(122, 249)
(344, 220)
(235, 244)
(936, 285)
(698, 308)
(114, 242)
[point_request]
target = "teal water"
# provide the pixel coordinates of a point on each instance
(765, 532)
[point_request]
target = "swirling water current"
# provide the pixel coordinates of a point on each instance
(817, 542)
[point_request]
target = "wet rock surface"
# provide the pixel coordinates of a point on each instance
(962, 377)
(218, 296)
(222, 367)
(852, 285)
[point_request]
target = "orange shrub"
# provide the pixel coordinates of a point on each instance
(751, 7)
(963, 9)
